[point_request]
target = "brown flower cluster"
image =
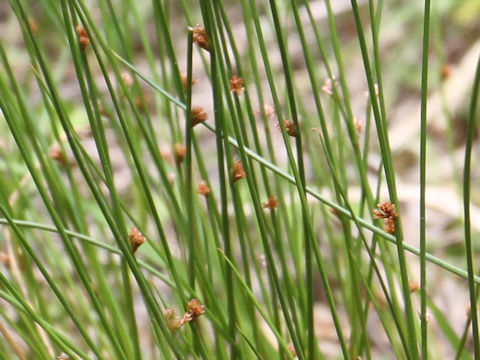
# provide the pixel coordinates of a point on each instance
(56, 154)
(194, 310)
(203, 188)
(237, 171)
(83, 38)
(387, 212)
(236, 85)
(200, 37)
(198, 115)
(271, 204)
(180, 152)
(290, 127)
(136, 239)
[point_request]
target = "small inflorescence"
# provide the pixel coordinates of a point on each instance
(56, 154)
(194, 310)
(83, 38)
(180, 152)
(236, 85)
(200, 37)
(290, 127)
(387, 212)
(203, 188)
(271, 204)
(136, 239)
(237, 171)
(198, 115)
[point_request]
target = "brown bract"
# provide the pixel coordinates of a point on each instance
(385, 210)
(237, 171)
(236, 85)
(203, 188)
(56, 154)
(200, 37)
(290, 127)
(271, 204)
(198, 115)
(136, 239)
(195, 309)
(180, 151)
(83, 38)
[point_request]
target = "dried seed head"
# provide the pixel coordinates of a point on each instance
(389, 226)
(136, 239)
(173, 322)
(198, 115)
(63, 356)
(200, 37)
(271, 204)
(184, 78)
(236, 85)
(127, 78)
(83, 38)
(180, 151)
(203, 188)
(194, 310)
(56, 154)
(413, 286)
(385, 210)
(290, 127)
(237, 171)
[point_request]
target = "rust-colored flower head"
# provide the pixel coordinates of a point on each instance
(184, 78)
(173, 322)
(271, 204)
(413, 286)
(194, 310)
(180, 151)
(136, 239)
(200, 37)
(83, 38)
(198, 115)
(203, 188)
(56, 154)
(385, 210)
(236, 85)
(389, 226)
(237, 171)
(290, 127)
